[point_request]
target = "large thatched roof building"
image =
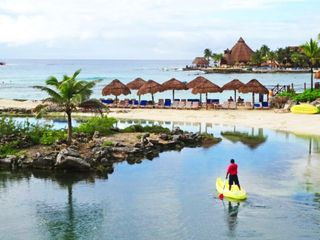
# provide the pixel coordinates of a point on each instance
(240, 53)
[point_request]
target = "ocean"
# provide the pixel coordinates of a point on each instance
(18, 76)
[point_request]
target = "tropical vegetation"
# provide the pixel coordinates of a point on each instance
(67, 93)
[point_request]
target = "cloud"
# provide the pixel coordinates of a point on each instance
(122, 24)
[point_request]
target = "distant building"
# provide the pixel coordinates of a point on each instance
(200, 62)
(239, 54)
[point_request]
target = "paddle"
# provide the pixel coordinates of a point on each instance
(221, 194)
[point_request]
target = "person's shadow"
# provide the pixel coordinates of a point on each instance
(232, 216)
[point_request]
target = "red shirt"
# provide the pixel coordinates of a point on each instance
(233, 169)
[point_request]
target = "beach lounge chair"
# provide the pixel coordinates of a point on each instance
(143, 103)
(195, 105)
(121, 104)
(257, 106)
(248, 105)
(175, 104)
(167, 103)
(160, 104)
(265, 105)
(225, 105)
(233, 105)
(181, 105)
(188, 105)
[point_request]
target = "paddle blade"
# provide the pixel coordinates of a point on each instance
(221, 196)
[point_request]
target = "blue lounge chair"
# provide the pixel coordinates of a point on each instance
(167, 103)
(265, 105)
(143, 103)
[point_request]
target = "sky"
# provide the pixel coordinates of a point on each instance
(150, 29)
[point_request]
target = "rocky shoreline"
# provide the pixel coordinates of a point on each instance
(97, 154)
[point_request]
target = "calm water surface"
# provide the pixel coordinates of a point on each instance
(173, 196)
(18, 76)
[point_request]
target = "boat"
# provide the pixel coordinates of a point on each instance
(235, 193)
(305, 109)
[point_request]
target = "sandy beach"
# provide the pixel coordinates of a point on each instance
(295, 123)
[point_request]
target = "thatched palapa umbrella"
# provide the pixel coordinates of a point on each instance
(150, 87)
(206, 87)
(254, 86)
(136, 84)
(93, 104)
(317, 75)
(115, 88)
(197, 82)
(174, 84)
(235, 84)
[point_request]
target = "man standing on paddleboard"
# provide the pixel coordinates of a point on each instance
(232, 171)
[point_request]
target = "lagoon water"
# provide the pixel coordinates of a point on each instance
(18, 76)
(173, 196)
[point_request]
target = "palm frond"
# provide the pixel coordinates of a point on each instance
(53, 81)
(56, 97)
(76, 73)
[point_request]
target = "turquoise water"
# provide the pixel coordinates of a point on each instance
(18, 76)
(173, 196)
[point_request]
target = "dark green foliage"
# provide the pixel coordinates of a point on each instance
(9, 149)
(150, 129)
(307, 96)
(103, 125)
(52, 136)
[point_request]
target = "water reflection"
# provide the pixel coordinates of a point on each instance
(70, 220)
(233, 209)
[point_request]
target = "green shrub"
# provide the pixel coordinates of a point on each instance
(307, 96)
(107, 143)
(9, 149)
(133, 128)
(52, 136)
(101, 124)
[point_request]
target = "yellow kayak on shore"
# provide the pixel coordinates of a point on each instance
(304, 109)
(235, 193)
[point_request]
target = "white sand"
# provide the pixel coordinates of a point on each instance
(296, 123)
(27, 104)
(300, 124)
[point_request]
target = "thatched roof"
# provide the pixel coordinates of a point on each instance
(150, 87)
(254, 86)
(136, 83)
(196, 82)
(200, 61)
(235, 84)
(206, 87)
(115, 88)
(317, 75)
(239, 53)
(174, 84)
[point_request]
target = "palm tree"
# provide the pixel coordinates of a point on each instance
(217, 57)
(207, 53)
(312, 52)
(68, 93)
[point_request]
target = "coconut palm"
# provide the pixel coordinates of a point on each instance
(217, 57)
(207, 53)
(67, 93)
(312, 52)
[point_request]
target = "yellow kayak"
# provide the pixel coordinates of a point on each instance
(235, 193)
(305, 109)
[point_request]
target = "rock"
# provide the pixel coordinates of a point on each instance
(154, 141)
(146, 135)
(96, 134)
(118, 144)
(7, 162)
(45, 162)
(177, 131)
(176, 138)
(149, 144)
(164, 136)
(70, 159)
(138, 145)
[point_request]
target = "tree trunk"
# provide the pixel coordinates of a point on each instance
(69, 140)
(311, 78)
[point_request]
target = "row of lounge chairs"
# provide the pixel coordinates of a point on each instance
(182, 104)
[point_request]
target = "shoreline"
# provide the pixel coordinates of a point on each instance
(289, 122)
